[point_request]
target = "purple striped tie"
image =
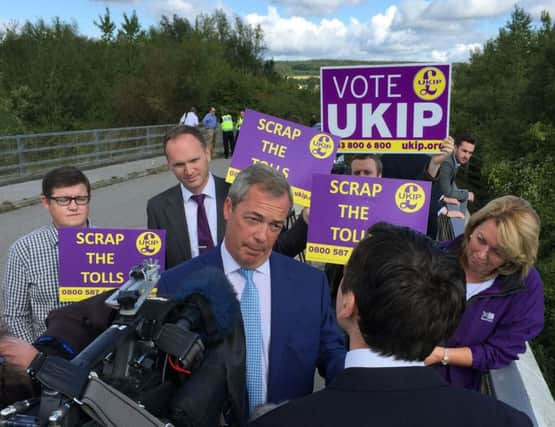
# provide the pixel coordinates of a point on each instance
(203, 229)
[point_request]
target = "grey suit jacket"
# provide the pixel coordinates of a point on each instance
(447, 185)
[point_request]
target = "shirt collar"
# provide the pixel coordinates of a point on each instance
(366, 358)
(52, 233)
(457, 164)
(209, 189)
(231, 266)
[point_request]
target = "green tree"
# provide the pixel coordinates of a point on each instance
(505, 96)
(106, 26)
(130, 28)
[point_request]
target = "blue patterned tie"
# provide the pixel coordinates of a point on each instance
(250, 309)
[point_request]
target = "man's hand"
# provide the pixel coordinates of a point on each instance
(450, 201)
(471, 197)
(447, 147)
(17, 352)
(455, 214)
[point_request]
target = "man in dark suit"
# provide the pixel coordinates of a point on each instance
(176, 209)
(399, 297)
(294, 324)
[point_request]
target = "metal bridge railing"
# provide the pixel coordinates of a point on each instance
(23, 157)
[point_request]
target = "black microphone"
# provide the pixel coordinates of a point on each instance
(217, 385)
(208, 310)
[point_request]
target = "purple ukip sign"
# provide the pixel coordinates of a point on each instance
(343, 207)
(386, 108)
(295, 150)
(94, 260)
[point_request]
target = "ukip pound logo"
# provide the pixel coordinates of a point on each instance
(410, 197)
(148, 243)
(429, 83)
(321, 146)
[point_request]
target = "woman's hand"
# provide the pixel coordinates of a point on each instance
(435, 356)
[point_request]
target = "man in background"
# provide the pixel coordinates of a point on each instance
(30, 287)
(368, 165)
(190, 118)
(210, 122)
(227, 134)
(464, 149)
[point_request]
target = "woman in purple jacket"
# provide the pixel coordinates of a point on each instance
(505, 306)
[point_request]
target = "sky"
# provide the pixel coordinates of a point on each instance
(394, 30)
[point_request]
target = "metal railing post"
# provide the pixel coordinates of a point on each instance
(96, 145)
(20, 155)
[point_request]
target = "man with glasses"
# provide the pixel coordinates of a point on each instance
(30, 285)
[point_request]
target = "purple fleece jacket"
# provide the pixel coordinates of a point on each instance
(496, 325)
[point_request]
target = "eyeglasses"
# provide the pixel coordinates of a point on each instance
(66, 200)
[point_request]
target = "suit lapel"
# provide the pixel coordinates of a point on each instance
(281, 283)
(175, 212)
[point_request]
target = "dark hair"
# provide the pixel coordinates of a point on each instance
(465, 137)
(65, 176)
(15, 383)
(372, 156)
(410, 294)
(269, 179)
(184, 130)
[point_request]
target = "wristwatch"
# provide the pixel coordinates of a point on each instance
(445, 359)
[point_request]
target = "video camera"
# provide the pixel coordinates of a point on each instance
(129, 374)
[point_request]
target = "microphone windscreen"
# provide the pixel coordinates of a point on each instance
(212, 284)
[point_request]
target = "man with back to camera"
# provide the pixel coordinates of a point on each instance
(30, 288)
(194, 207)
(227, 134)
(285, 305)
(189, 118)
(401, 295)
(464, 149)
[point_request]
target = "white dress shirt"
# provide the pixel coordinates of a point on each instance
(366, 358)
(191, 208)
(262, 281)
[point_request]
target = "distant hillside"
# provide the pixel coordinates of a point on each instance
(312, 67)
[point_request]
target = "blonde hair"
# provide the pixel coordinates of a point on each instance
(518, 232)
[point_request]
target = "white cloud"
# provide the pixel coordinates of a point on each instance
(382, 37)
(420, 12)
(313, 7)
(535, 7)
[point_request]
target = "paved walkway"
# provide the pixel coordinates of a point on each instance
(28, 193)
